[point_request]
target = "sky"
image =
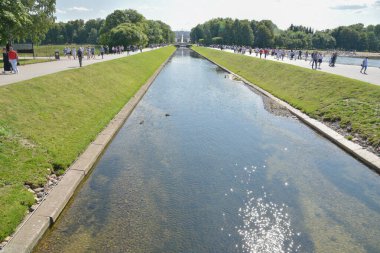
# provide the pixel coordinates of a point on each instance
(184, 15)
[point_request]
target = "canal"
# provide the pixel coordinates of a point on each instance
(205, 164)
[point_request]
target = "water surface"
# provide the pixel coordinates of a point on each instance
(225, 172)
(372, 62)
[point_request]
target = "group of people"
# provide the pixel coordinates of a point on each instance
(10, 60)
(279, 54)
(90, 52)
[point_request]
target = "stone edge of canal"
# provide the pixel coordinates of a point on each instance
(369, 159)
(35, 225)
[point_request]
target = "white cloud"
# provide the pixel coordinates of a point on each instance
(60, 11)
(349, 7)
(79, 8)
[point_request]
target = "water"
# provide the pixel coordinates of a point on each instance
(227, 171)
(372, 62)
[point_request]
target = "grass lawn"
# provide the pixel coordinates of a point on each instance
(46, 122)
(323, 96)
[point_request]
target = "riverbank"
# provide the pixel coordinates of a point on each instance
(47, 122)
(349, 106)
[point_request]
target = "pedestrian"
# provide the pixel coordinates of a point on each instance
(7, 64)
(364, 66)
(102, 51)
(68, 52)
(74, 52)
(93, 53)
(315, 60)
(80, 56)
(320, 59)
(12, 55)
(88, 51)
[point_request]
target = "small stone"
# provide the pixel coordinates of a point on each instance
(27, 186)
(30, 190)
(37, 190)
(7, 239)
(50, 183)
(32, 208)
(167, 115)
(53, 176)
(141, 122)
(40, 194)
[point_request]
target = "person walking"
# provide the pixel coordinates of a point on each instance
(80, 56)
(7, 64)
(364, 66)
(320, 59)
(102, 51)
(315, 60)
(74, 52)
(12, 55)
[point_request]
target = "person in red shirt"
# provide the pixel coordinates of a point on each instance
(12, 55)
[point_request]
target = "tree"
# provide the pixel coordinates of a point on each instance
(322, 40)
(363, 42)
(133, 16)
(92, 36)
(197, 33)
(128, 34)
(25, 19)
(373, 42)
(154, 32)
(263, 36)
(246, 32)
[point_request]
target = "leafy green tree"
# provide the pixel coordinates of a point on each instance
(133, 16)
(246, 32)
(154, 32)
(168, 36)
(373, 42)
(25, 19)
(263, 36)
(92, 36)
(197, 33)
(377, 31)
(363, 42)
(323, 40)
(128, 34)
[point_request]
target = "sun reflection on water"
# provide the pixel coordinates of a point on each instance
(266, 226)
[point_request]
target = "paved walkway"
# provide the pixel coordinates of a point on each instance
(350, 71)
(41, 69)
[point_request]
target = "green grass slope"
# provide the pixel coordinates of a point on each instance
(46, 122)
(326, 97)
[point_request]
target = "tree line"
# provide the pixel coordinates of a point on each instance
(122, 27)
(266, 34)
(34, 21)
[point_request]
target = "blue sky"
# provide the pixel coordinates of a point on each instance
(319, 14)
